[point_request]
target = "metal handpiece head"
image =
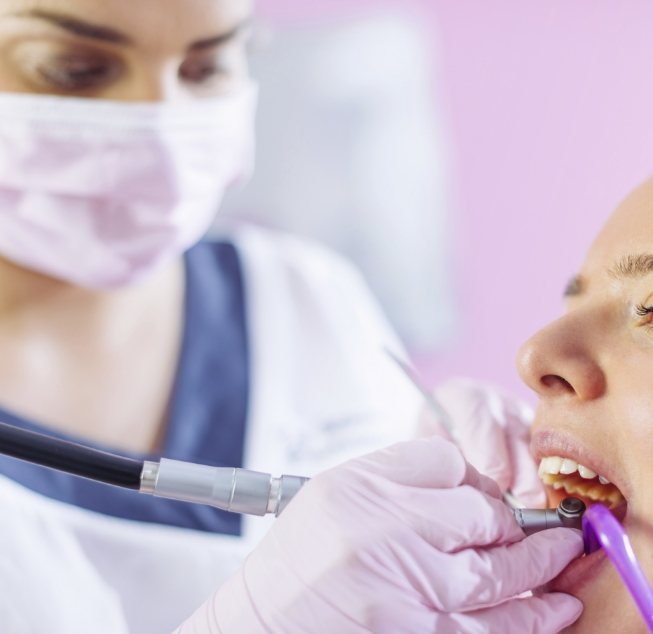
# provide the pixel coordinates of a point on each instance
(571, 511)
(569, 514)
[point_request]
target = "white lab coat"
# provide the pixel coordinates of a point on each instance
(322, 390)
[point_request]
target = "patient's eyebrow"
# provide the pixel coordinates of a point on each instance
(632, 266)
(574, 286)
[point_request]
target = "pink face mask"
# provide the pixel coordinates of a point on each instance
(98, 193)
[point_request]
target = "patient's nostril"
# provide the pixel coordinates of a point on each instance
(557, 383)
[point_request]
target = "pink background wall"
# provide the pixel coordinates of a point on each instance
(550, 114)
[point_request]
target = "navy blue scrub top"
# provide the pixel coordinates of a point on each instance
(208, 408)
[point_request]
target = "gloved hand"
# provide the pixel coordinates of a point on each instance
(408, 539)
(493, 432)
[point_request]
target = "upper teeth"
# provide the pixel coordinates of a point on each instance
(566, 466)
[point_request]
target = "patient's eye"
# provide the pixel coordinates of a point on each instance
(646, 312)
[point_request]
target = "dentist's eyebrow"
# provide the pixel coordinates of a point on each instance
(113, 36)
(223, 38)
(78, 27)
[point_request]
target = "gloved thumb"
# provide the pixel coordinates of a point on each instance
(545, 614)
(493, 432)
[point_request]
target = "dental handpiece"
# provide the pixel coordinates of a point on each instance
(568, 514)
(231, 489)
(256, 493)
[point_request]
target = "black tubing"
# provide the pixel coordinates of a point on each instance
(70, 457)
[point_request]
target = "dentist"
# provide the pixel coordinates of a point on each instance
(121, 125)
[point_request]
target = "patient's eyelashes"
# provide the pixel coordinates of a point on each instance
(643, 311)
(645, 316)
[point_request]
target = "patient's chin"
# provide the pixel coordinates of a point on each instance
(607, 605)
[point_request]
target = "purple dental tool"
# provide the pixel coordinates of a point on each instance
(601, 528)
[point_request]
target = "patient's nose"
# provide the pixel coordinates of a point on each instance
(558, 361)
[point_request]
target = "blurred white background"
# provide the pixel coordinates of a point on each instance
(465, 153)
(352, 152)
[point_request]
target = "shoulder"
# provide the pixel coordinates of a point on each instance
(280, 267)
(216, 253)
(272, 253)
(325, 388)
(290, 255)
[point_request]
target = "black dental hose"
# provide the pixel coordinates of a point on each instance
(70, 457)
(228, 488)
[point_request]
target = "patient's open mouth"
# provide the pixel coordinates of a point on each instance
(568, 468)
(566, 476)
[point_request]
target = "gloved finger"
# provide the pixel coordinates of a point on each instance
(447, 520)
(425, 462)
(545, 614)
(526, 484)
(431, 424)
(412, 461)
(520, 567)
(477, 428)
(481, 482)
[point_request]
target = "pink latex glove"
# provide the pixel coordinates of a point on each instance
(493, 432)
(408, 539)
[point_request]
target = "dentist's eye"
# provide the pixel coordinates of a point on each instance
(76, 74)
(56, 68)
(215, 70)
(204, 71)
(201, 72)
(51, 66)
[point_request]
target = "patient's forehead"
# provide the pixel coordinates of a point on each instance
(629, 230)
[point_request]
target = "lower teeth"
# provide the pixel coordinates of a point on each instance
(592, 489)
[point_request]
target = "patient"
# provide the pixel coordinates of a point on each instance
(593, 432)
(592, 436)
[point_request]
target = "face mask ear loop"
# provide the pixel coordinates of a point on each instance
(601, 529)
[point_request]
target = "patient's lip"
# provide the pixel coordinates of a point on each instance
(550, 442)
(579, 573)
